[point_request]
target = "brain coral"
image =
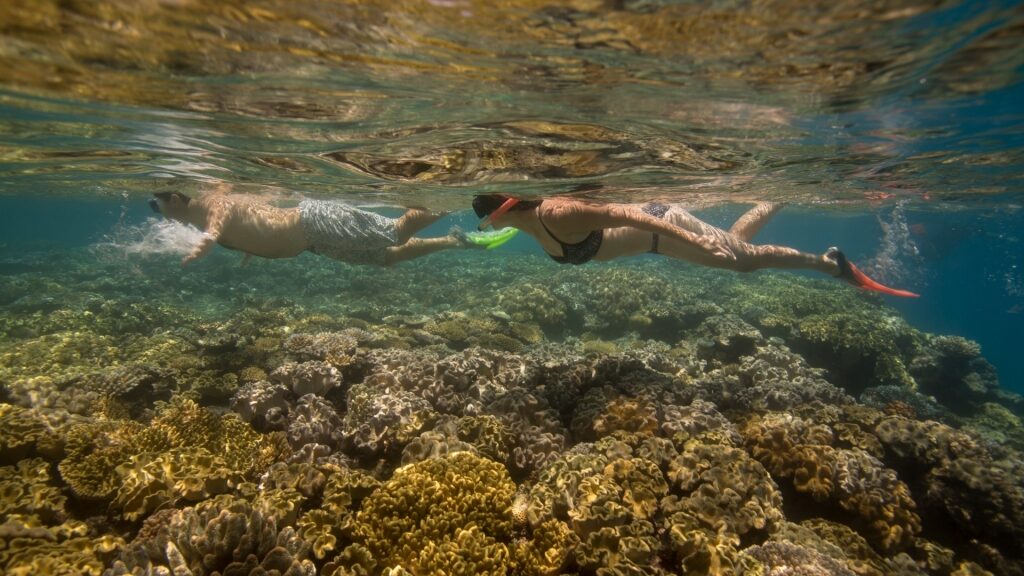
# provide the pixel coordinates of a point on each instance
(443, 515)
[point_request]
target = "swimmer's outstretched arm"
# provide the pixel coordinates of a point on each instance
(214, 225)
(579, 217)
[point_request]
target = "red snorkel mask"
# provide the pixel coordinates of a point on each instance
(498, 213)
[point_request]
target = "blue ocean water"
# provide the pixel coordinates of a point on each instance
(967, 269)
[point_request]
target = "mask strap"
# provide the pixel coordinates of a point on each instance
(505, 207)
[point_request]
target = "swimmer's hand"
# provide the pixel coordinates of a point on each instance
(716, 247)
(201, 249)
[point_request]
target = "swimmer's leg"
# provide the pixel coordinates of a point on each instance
(749, 257)
(419, 247)
(414, 220)
(751, 223)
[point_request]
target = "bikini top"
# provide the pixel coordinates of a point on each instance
(579, 253)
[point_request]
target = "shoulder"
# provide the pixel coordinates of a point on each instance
(560, 208)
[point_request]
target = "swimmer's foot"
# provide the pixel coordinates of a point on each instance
(852, 275)
(462, 239)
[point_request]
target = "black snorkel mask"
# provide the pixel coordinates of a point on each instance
(154, 205)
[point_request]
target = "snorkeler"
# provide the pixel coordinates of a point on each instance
(329, 228)
(573, 231)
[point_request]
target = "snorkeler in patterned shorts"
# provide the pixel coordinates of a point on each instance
(574, 231)
(333, 229)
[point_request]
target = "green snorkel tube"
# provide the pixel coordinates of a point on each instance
(493, 239)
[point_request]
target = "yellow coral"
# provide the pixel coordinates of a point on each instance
(547, 551)
(187, 452)
(420, 517)
(25, 489)
(24, 432)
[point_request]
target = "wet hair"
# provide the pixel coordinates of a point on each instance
(168, 196)
(485, 204)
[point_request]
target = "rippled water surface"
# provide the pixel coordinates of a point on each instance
(807, 101)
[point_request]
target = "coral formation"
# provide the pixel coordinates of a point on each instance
(219, 536)
(450, 514)
(186, 452)
(851, 478)
(593, 420)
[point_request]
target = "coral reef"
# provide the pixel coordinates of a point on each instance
(805, 453)
(592, 420)
(186, 453)
(451, 514)
(219, 536)
(960, 482)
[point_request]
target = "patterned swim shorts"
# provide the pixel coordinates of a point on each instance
(344, 232)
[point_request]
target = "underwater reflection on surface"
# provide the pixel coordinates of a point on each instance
(432, 101)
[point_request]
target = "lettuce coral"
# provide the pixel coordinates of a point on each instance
(186, 451)
(450, 515)
(219, 536)
(851, 478)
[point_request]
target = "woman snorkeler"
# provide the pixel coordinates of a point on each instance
(574, 231)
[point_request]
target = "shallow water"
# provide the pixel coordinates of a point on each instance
(890, 129)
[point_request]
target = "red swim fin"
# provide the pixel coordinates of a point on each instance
(861, 279)
(850, 273)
